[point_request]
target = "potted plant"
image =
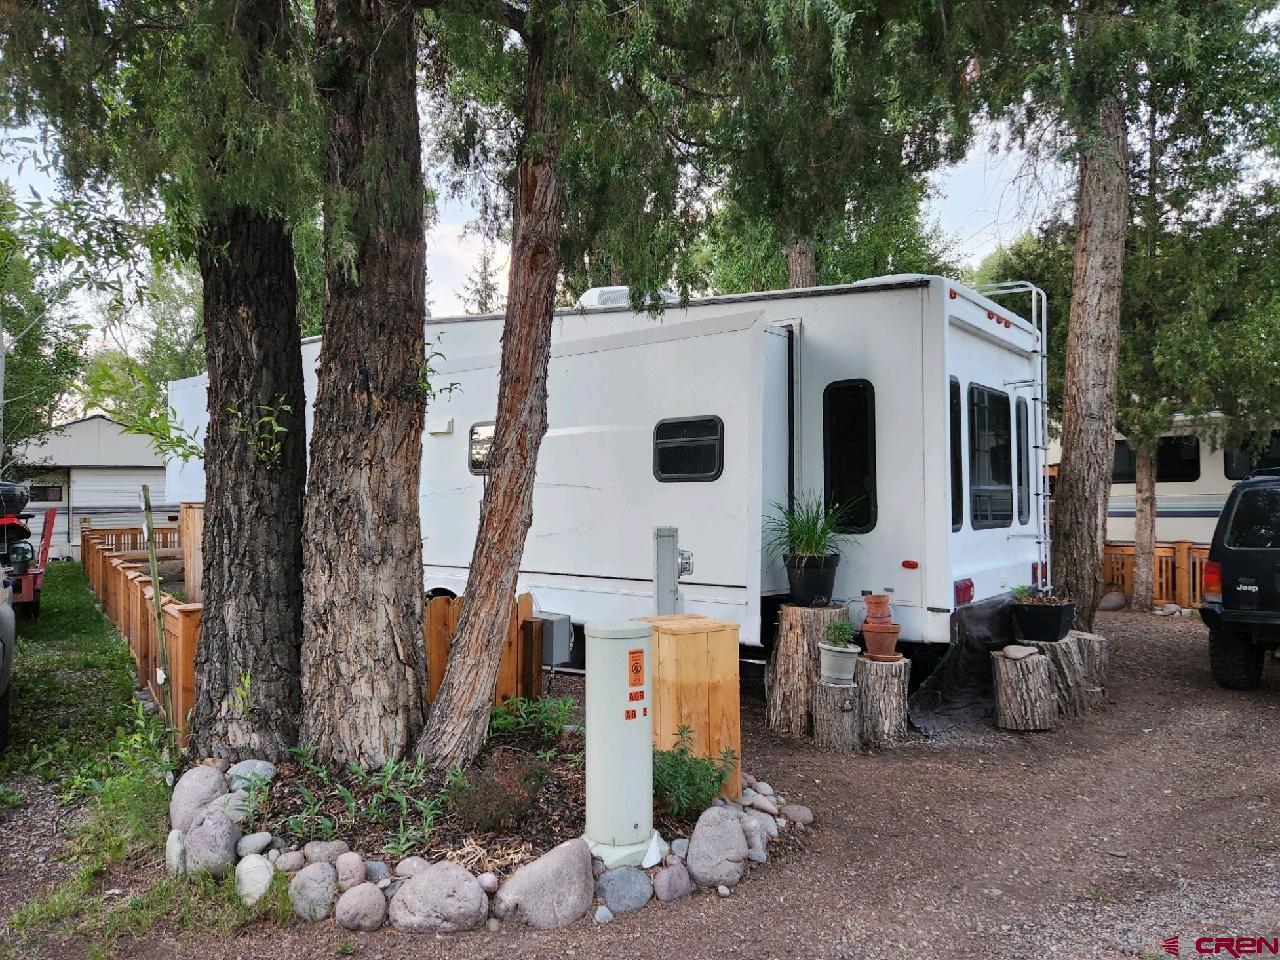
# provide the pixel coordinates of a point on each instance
(1042, 617)
(838, 655)
(807, 535)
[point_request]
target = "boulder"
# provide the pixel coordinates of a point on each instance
(672, 883)
(624, 889)
(554, 890)
(253, 843)
(798, 813)
(603, 914)
(175, 853)
(350, 870)
(253, 878)
(488, 882)
(194, 790)
(291, 861)
(763, 788)
(680, 847)
(411, 866)
(753, 831)
(211, 845)
(235, 805)
(249, 773)
(324, 851)
(311, 890)
(1115, 600)
(717, 848)
(1018, 651)
(758, 855)
(363, 907)
(444, 898)
(375, 870)
(764, 805)
(769, 824)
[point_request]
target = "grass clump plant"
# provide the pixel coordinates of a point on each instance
(806, 528)
(543, 717)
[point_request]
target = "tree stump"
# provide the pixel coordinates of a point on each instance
(793, 670)
(1024, 692)
(1093, 650)
(882, 700)
(1069, 680)
(836, 717)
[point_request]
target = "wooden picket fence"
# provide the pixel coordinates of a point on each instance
(1179, 568)
(118, 572)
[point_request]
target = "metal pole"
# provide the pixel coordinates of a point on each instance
(666, 570)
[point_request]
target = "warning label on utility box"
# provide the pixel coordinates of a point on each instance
(635, 668)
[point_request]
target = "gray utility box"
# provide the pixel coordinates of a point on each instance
(557, 638)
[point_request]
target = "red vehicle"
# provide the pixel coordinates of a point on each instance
(23, 568)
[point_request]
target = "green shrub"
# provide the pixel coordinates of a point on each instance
(685, 784)
(488, 800)
(839, 633)
(544, 717)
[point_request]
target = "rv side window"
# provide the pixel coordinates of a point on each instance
(1240, 461)
(1124, 466)
(990, 459)
(1177, 461)
(1024, 465)
(46, 494)
(688, 449)
(957, 459)
(849, 451)
(479, 443)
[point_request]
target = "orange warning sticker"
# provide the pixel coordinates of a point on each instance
(635, 668)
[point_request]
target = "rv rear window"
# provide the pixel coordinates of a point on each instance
(1024, 464)
(1255, 524)
(849, 451)
(957, 459)
(990, 459)
(479, 443)
(688, 449)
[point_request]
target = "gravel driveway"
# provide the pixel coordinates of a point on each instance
(1157, 817)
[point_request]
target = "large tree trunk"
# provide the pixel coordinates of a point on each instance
(1144, 528)
(247, 697)
(362, 660)
(802, 263)
(1089, 386)
(460, 714)
(247, 679)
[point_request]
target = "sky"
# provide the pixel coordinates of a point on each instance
(988, 199)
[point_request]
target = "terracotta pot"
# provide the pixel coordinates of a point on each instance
(878, 608)
(881, 639)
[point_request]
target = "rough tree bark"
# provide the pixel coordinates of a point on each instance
(1089, 384)
(248, 699)
(1025, 699)
(802, 263)
(363, 666)
(882, 701)
(1144, 528)
(460, 714)
(794, 666)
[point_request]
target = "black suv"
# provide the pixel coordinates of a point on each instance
(1241, 583)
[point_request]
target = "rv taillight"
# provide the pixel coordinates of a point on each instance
(1035, 574)
(963, 592)
(1211, 582)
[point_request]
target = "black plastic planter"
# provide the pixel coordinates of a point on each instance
(812, 579)
(1042, 622)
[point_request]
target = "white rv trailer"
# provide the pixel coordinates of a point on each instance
(912, 397)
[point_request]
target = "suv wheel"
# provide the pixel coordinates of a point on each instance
(1235, 660)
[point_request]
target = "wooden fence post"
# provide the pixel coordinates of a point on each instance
(191, 537)
(182, 634)
(1182, 572)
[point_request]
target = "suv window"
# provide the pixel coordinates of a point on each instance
(1255, 522)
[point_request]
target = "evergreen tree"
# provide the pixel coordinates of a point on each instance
(480, 293)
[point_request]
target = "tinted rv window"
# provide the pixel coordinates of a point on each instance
(688, 449)
(1124, 467)
(1024, 464)
(1239, 462)
(1177, 461)
(478, 446)
(957, 459)
(1255, 524)
(849, 451)
(46, 494)
(990, 459)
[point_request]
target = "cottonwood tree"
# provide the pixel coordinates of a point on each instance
(363, 662)
(205, 108)
(594, 179)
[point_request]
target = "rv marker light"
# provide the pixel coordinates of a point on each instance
(910, 565)
(952, 293)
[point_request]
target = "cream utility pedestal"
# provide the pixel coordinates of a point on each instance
(619, 825)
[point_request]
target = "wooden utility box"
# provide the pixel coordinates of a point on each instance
(695, 684)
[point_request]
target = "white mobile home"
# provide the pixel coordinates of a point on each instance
(89, 469)
(912, 397)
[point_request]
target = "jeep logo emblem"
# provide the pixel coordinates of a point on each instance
(1247, 587)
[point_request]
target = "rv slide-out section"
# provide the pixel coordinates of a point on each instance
(703, 417)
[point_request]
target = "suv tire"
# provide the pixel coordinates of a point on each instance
(1235, 660)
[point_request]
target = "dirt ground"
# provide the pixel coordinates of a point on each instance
(1156, 817)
